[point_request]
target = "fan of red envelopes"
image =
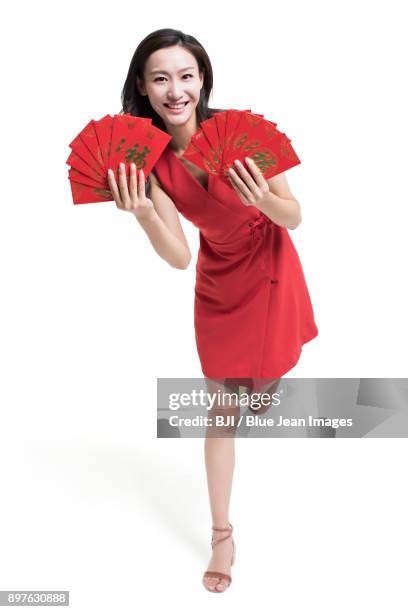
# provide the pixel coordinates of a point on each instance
(236, 134)
(104, 144)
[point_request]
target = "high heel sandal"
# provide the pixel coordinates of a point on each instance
(220, 575)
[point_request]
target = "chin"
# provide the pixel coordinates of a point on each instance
(179, 120)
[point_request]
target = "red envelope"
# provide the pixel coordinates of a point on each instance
(237, 141)
(78, 177)
(210, 160)
(251, 134)
(103, 129)
(84, 194)
(81, 166)
(79, 147)
(211, 133)
(136, 140)
(89, 138)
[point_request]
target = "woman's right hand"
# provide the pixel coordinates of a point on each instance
(133, 199)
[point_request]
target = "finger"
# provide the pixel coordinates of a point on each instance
(239, 193)
(141, 186)
(245, 176)
(114, 189)
(133, 181)
(124, 194)
(241, 186)
(256, 173)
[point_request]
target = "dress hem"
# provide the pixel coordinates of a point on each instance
(277, 374)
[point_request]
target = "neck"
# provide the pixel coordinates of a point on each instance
(181, 134)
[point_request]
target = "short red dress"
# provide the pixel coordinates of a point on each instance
(252, 310)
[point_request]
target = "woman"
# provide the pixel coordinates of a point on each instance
(252, 308)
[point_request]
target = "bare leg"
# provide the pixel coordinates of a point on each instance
(220, 462)
(269, 387)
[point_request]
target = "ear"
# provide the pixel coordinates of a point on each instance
(140, 86)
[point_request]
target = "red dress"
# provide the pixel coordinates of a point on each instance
(252, 310)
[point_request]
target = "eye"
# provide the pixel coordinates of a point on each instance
(157, 78)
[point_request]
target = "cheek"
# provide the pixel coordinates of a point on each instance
(192, 90)
(154, 95)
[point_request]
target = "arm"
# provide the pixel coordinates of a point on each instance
(164, 230)
(157, 216)
(272, 197)
(280, 205)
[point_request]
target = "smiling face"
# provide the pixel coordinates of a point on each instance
(171, 77)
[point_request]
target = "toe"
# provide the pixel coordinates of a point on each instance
(209, 583)
(214, 583)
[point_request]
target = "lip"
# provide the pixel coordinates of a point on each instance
(179, 110)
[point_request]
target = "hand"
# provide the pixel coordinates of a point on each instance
(133, 200)
(251, 186)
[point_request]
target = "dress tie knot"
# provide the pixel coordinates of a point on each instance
(258, 228)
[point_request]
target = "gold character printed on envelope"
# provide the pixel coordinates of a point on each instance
(120, 145)
(264, 160)
(104, 193)
(137, 157)
(253, 145)
(239, 141)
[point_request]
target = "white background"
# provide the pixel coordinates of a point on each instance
(91, 316)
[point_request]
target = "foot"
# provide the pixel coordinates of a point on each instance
(220, 561)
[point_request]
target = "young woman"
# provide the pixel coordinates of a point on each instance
(252, 310)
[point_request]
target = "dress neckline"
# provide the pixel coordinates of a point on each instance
(237, 208)
(193, 178)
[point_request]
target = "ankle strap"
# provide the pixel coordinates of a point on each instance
(230, 528)
(215, 541)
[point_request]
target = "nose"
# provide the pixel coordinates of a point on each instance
(175, 92)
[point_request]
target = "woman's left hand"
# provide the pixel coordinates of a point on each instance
(250, 186)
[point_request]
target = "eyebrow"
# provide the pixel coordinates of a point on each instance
(164, 72)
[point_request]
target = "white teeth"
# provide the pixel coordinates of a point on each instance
(176, 105)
